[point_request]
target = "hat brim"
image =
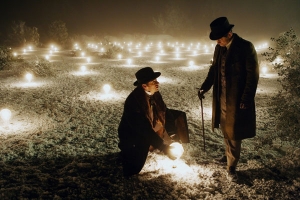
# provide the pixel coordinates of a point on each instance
(155, 75)
(217, 36)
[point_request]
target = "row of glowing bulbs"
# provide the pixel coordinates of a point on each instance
(177, 150)
(106, 87)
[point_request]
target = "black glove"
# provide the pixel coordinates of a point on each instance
(201, 94)
(167, 150)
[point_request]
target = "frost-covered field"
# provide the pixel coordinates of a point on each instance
(61, 141)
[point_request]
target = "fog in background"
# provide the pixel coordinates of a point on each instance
(253, 19)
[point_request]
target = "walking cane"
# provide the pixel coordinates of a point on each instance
(202, 123)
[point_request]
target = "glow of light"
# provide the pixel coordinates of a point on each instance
(119, 56)
(140, 53)
(88, 60)
(15, 54)
(157, 58)
(264, 70)
(178, 170)
(5, 114)
(28, 77)
(177, 55)
(83, 68)
(82, 54)
(30, 48)
(176, 150)
(191, 63)
(106, 88)
(47, 57)
(129, 61)
(24, 50)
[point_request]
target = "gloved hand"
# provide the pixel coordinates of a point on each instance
(244, 106)
(167, 150)
(201, 94)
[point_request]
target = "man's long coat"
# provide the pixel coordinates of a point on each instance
(242, 74)
(135, 127)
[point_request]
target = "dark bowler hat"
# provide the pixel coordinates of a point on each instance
(145, 75)
(219, 27)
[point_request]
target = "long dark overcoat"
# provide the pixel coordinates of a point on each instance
(242, 74)
(135, 125)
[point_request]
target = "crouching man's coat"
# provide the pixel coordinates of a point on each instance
(135, 131)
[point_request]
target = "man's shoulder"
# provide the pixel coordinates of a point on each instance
(241, 40)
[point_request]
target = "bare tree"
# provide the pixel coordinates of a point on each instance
(19, 34)
(58, 32)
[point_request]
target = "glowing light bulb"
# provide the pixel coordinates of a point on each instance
(106, 88)
(177, 150)
(5, 114)
(83, 68)
(264, 70)
(191, 63)
(28, 77)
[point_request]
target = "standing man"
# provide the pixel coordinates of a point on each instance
(234, 75)
(142, 126)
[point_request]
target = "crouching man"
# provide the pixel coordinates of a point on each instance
(142, 126)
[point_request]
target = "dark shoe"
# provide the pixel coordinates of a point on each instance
(232, 175)
(221, 160)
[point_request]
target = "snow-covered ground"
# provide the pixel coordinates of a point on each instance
(61, 140)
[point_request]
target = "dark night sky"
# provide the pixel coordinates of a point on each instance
(91, 17)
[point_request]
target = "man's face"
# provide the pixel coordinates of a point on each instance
(151, 86)
(223, 41)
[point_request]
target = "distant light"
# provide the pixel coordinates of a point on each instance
(191, 63)
(157, 58)
(106, 88)
(82, 54)
(47, 57)
(83, 68)
(5, 114)
(264, 70)
(88, 60)
(129, 61)
(28, 77)
(119, 56)
(15, 54)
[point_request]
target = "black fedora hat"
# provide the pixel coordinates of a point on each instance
(145, 75)
(219, 27)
